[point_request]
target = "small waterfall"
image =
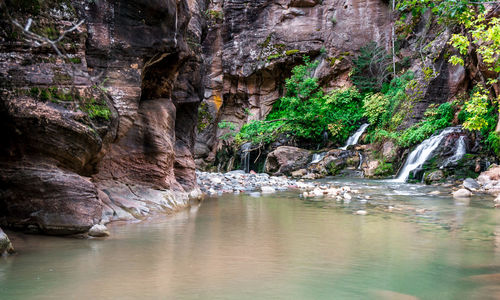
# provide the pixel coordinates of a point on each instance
(361, 158)
(459, 152)
(353, 139)
(423, 152)
(245, 156)
(317, 157)
(175, 34)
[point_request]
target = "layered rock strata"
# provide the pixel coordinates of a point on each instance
(108, 131)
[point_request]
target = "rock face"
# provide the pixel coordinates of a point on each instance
(5, 244)
(251, 47)
(121, 109)
(286, 159)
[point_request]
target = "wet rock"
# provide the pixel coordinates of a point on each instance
(471, 184)
(268, 190)
(53, 200)
(98, 230)
(462, 193)
(433, 177)
(362, 212)
(489, 180)
(286, 159)
(299, 173)
(5, 244)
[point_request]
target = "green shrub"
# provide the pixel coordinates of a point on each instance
(305, 111)
(375, 105)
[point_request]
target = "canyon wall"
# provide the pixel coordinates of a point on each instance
(252, 46)
(106, 132)
(114, 126)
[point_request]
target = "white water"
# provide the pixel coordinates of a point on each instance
(317, 157)
(459, 152)
(245, 156)
(176, 19)
(353, 139)
(423, 152)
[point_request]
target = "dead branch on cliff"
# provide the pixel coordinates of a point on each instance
(40, 40)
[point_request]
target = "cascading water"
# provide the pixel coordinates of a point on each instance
(245, 156)
(317, 157)
(460, 151)
(353, 139)
(423, 152)
(176, 20)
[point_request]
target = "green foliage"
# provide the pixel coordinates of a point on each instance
(371, 68)
(383, 169)
(448, 11)
(231, 129)
(292, 52)
(204, 117)
(306, 111)
(436, 118)
(96, 109)
(375, 105)
(214, 14)
(493, 143)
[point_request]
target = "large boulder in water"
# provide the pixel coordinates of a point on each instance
(490, 180)
(5, 244)
(286, 159)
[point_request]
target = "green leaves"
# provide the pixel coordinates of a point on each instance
(477, 109)
(306, 111)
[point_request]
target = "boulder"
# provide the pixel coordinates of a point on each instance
(98, 230)
(5, 244)
(462, 193)
(435, 176)
(286, 159)
(268, 190)
(299, 173)
(471, 184)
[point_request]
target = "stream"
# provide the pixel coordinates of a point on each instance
(278, 246)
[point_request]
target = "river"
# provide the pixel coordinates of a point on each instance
(277, 246)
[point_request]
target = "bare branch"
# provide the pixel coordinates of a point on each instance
(42, 40)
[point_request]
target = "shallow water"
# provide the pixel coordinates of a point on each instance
(276, 247)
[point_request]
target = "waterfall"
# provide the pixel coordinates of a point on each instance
(459, 152)
(353, 139)
(245, 156)
(175, 34)
(317, 157)
(360, 160)
(423, 152)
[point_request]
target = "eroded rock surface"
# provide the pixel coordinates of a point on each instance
(252, 46)
(91, 138)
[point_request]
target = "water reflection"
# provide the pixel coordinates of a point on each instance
(274, 247)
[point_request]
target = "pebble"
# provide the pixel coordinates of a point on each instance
(362, 212)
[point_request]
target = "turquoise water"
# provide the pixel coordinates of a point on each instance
(276, 247)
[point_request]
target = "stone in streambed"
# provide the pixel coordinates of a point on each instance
(268, 190)
(5, 244)
(471, 184)
(462, 193)
(362, 212)
(98, 230)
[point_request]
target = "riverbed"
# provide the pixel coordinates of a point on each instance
(278, 246)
